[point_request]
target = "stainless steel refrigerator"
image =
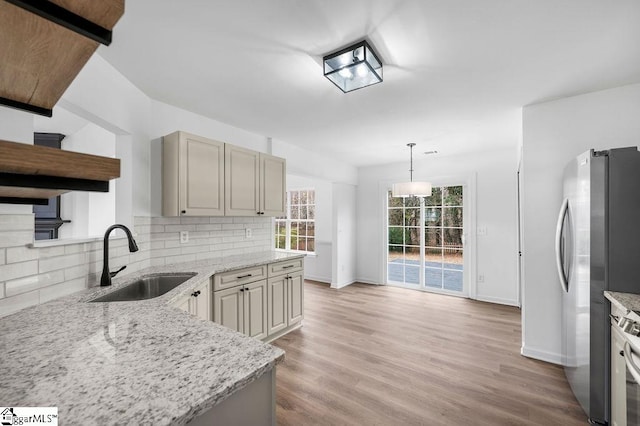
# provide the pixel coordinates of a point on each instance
(597, 249)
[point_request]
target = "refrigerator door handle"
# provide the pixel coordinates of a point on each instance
(559, 246)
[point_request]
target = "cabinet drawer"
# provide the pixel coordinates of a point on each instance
(238, 276)
(285, 267)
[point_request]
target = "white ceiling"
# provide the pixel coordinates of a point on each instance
(456, 72)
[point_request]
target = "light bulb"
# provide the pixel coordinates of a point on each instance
(345, 73)
(362, 70)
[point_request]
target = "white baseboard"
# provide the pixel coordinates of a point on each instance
(319, 279)
(498, 300)
(343, 285)
(552, 357)
(366, 281)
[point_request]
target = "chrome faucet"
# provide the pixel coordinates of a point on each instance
(105, 279)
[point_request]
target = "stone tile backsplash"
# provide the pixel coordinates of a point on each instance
(34, 275)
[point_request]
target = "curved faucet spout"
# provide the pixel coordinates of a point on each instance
(105, 279)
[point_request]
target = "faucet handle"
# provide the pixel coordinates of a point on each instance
(113, 274)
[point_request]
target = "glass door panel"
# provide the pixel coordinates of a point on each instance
(427, 234)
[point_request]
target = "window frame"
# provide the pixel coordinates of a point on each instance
(288, 221)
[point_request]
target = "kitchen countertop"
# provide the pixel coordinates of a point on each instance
(130, 362)
(625, 301)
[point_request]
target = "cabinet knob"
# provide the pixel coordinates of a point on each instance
(196, 293)
(242, 289)
(621, 353)
(183, 212)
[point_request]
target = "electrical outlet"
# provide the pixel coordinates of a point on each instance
(480, 278)
(482, 230)
(248, 233)
(184, 237)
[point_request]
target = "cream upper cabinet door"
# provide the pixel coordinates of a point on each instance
(242, 181)
(273, 185)
(255, 309)
(228, 307)
(295, 296)
(192, 176)
(277, 304)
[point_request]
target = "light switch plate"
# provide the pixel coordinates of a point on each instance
(184, 237)
(482, 230)
(248, 233)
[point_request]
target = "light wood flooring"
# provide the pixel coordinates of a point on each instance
(380, 355)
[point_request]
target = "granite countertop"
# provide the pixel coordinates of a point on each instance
(130, 362)
(625, 301)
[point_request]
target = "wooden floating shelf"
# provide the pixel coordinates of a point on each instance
(40, 57)
(31, 174)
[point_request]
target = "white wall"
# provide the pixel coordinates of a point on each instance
(305, 163)
(318, 267)
(90, 212)
(16, 126)
(553, 134)
(344, 263)
(494, 176)
(101, 95)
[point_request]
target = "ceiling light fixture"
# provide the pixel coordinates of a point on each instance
(411, 188)
(353, 67)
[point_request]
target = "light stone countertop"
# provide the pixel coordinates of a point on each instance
(142, 362)
(624, 301)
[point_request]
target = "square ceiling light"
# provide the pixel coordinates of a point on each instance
(353, 67)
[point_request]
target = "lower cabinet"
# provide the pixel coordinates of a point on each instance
(198, 303)
(243, 308)
(286, 301)
(264, 309)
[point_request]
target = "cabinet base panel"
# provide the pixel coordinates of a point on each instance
(282, 332)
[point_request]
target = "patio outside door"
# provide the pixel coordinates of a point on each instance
(425, 242)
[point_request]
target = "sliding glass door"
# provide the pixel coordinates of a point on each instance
(425, 242)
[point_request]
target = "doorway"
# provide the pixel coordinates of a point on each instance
(425, 241)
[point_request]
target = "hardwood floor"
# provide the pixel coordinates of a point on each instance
(380, 355)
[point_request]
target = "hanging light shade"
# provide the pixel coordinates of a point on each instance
(411, 188)
(353, 67)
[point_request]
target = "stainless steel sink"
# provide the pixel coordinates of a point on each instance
(145, 288)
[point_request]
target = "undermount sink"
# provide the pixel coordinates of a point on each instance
(145, 288)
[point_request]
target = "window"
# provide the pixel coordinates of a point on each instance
(296, 231)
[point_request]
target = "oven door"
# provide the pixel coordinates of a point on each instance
(632, 361)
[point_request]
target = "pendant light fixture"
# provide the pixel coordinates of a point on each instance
(411, 188)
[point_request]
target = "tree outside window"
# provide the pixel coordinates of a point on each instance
(296, 230)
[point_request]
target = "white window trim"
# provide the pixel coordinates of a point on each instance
(469, 211)
(288, 221)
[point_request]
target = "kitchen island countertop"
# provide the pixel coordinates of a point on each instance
(141, 362)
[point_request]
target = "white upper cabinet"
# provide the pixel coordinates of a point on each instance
(192, 176)
(273, 188)
(242, 181)
(203, 177)
(255, 183)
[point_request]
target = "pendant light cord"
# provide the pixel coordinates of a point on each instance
(411, 145)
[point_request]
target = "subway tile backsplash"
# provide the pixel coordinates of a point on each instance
(30, 276)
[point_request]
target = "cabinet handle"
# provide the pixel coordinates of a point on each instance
(196, 293)
(288, 266)
(242, 289)
(244, 276)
